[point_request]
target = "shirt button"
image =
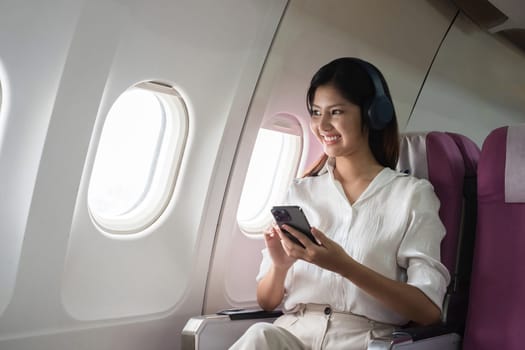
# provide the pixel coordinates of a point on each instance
(327, 311)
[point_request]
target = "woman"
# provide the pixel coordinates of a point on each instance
(376, 265)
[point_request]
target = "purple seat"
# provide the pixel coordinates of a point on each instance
(449, 162)
(496, 311)
(459, 288)
(436, 157)
(470, 152)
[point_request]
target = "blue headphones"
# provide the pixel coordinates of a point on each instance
(379, 110)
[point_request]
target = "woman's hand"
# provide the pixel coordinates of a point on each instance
(326, 254)
(275, 247)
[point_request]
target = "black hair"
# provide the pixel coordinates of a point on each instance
(351, 79)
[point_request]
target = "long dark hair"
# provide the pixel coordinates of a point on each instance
(354, 83)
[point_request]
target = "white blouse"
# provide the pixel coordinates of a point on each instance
(392, 228)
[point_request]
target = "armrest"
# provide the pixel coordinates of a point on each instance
(221, 330)
(245, 314)
(419, 333)
(438, 337)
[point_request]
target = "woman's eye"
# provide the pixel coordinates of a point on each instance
(337, 111)
(316, 113)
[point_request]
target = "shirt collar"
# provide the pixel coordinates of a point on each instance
(385, 176)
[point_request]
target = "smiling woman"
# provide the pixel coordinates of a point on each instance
(375, 256)
(336, 122)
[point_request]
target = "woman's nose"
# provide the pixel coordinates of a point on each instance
(325, 122)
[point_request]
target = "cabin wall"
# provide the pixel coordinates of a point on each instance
(66, 284)
(34, 40)
(476, 84)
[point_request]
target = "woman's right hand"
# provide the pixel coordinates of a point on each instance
(273, 242)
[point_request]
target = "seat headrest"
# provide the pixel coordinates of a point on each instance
(470, 152)
(413, 154)
(515, 164)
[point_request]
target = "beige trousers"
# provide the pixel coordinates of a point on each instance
(313, 327)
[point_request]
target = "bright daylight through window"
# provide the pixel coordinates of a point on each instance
(272, 167)
(137, 159)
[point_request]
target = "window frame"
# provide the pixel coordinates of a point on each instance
(286, 124)
(163, 174)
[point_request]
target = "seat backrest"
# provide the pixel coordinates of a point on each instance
(497, 304)
(449, 162)
(435, 156)
(457, 296)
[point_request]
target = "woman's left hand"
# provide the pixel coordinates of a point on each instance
(327, 254)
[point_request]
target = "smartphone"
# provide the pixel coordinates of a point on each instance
(293, 216)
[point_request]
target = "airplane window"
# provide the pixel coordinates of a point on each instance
(137, 158)
(273, 165)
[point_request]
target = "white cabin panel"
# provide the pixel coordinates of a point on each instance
(75, 284)
(475, 85)
(34, 39)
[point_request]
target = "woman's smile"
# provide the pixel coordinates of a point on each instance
(336, 122)
(330, 139)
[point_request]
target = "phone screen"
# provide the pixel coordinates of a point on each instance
(293, 216)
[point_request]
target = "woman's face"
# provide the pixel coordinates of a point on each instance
(336, 122)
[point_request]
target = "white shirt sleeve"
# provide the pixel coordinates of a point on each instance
(419, 252)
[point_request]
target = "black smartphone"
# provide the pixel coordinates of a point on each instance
(293, 216)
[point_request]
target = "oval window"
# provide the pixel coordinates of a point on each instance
(137, 158)
(273, 165)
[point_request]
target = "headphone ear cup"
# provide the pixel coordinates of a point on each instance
(366, 112)
(380, 112)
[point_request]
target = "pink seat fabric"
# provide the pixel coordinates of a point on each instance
(436, 157)
(449, 162)
(496, 310)
(446, 172)
(470, 152)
